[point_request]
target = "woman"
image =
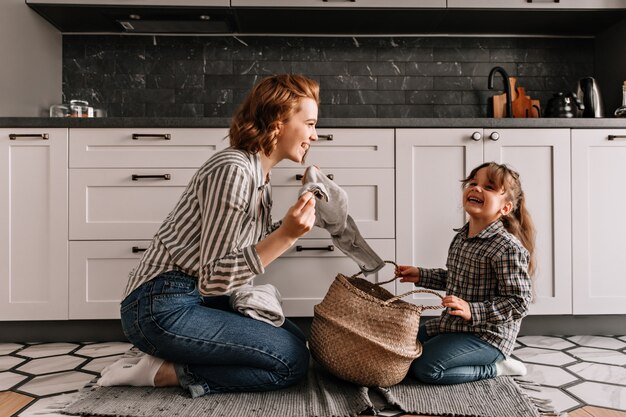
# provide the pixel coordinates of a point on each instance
(217, 238)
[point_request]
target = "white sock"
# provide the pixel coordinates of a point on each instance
(138, 372)
(510, 367)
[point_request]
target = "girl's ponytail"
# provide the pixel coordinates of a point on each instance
(520, 224)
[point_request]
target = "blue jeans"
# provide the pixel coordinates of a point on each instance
(213, 348)
(453, 358)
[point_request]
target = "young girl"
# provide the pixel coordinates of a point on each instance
(487, 283)
(215, 240)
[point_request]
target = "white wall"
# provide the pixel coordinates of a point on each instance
(30, 61)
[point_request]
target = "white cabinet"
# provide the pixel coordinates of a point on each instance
(122, 203)
(98, 275)
(599, 226)
(361, 162)
(370, 196)
(538, 4)
(304, 273)
(126, 3)
(33, 224)
(122, 185)
(340, 3)
(429, 166)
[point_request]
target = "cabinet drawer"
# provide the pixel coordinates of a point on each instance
(304, 276)
(370, 193)
(109, 204)
(350, 148)
(538, 4)
(98, 276)
(342, 4)
(144, 148)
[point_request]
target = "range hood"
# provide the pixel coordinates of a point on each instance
(217, 17)
(136, 16)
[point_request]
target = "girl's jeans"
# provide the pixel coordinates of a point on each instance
(453, 358)
(213, 349)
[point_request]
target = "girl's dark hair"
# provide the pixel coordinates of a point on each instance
(518, 222)
(273, 100)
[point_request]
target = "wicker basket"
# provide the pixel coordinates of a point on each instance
(364, 334)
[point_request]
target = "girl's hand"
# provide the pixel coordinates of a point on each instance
(408, 273)
(457, 307)
(300, 217)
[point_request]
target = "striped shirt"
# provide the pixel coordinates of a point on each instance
(212, 231)
(490, 272)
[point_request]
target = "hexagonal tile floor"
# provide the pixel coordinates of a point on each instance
(572, 372)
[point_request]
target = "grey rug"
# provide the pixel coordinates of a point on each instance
(497, 397)
(321, 395)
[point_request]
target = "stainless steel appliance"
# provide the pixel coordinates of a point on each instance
(589, 94)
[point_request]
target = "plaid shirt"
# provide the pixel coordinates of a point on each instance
(490, 272)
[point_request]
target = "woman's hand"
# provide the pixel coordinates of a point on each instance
(408, 273)
(457, 307)
(300, 217)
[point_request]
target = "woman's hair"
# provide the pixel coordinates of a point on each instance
(273, 100)
(518, 222)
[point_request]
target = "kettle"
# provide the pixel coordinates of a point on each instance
(564, 105)
(589, 93)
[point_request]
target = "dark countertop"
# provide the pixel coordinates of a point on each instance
(177, 122)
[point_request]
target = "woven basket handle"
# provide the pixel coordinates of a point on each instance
(397, 297)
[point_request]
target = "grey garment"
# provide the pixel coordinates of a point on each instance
(260, 302)
(331, 213)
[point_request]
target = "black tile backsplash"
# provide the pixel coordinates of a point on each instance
(196, 76)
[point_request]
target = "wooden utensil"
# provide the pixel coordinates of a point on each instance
(522, 105)
(499, 101)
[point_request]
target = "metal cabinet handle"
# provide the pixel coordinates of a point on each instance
(613, 137)
(544, 1)
(136, 177)
(325, 137)
(339, 1)
(44, 136)
(165, 136)
(328, 248)
(137, 249)
(494, 136)
(329, 176)
(477, 136)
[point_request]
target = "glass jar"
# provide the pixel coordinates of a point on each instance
(59, 110)
(80, 108)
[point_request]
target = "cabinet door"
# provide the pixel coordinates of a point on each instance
(339, 3)
(349, 148)
(33, 224)
(98, 275)
(599, 226)
(429, 166)
(542, 158)
(127, 3)
(304, 273)
(109, 204)
(370, 198)
(538, 4)
(144, 148)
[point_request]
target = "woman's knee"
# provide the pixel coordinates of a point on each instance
(296, 365)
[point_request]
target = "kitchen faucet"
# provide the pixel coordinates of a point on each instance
(507, 87)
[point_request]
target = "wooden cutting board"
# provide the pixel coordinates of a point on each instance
(522, 105)
(499, 101)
